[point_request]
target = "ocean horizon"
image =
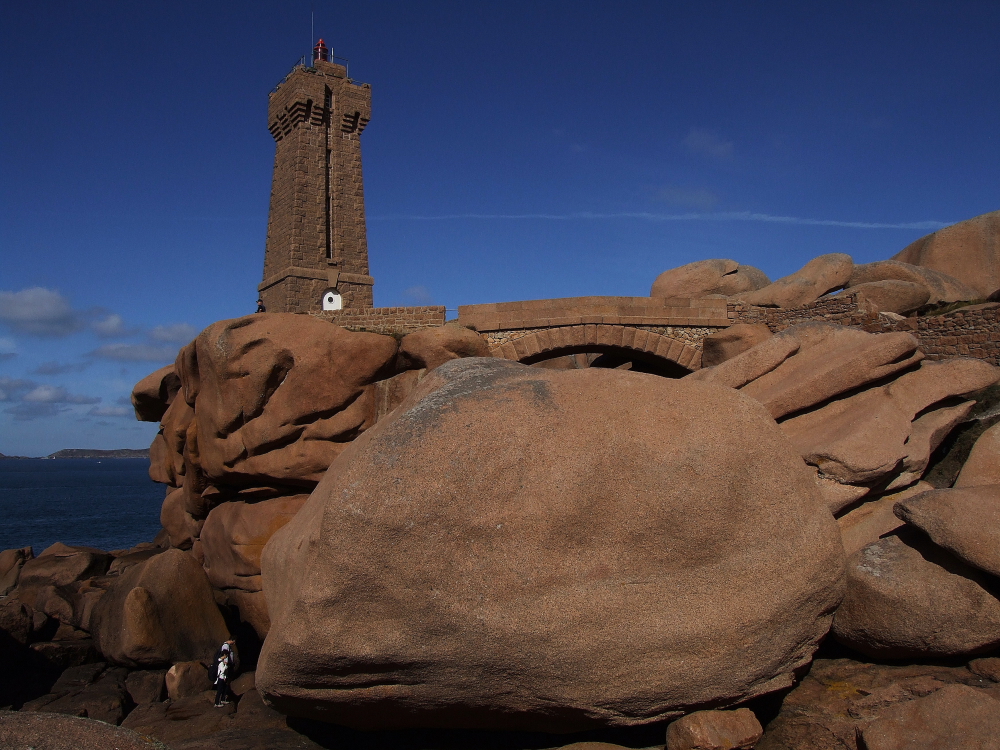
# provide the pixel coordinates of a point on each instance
(108, 503)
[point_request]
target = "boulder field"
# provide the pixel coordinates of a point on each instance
(955, 264)
(413, 543)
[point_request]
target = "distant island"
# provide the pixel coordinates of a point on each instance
(90, 453)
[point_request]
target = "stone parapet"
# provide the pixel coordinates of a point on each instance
(568, 311)
(387, 320)
(845, 309)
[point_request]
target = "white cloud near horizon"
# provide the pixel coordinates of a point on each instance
(54, 394)
(702, 216)
(31, 401)
(708, 143)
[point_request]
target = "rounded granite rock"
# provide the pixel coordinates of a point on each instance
(522, 548)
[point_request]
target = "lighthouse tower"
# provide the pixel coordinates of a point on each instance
(316, 257)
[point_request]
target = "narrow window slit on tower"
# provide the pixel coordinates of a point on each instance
(329, 213)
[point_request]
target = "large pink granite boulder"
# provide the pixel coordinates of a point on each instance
(831, 359)
(941, 287)
(154, 393)
(983, 464)
(751, 364)
(875, 518)
(900, 297)
(159, 612)
(968, 251)
(966, 522)
(234, 535)
(278, 396)
(232, 538)
(907, 598)
(952, 718)
(516, 547)
(725, 344)
(430, 347)
(706, 277)
(827, 273)
(888, 431)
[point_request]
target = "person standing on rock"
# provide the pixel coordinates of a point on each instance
(222, 680)
(227, 661)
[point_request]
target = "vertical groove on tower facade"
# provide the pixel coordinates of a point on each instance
(316, 237)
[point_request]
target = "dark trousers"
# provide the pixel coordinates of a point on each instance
(221, 692)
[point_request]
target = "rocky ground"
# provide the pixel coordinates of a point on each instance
(416, 545)
(841, 701)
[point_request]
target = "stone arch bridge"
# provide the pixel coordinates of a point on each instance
(664, 336)
(647, 334)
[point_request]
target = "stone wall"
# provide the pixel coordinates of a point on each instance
(389, 320)
(972, 331)
(846, 310)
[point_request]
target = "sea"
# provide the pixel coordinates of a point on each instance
(109, 503)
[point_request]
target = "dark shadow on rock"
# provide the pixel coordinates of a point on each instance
(248, 643)
(331, 736)
(26, 674)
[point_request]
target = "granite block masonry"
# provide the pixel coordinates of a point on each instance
(316, 256)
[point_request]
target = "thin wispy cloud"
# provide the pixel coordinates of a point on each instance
(418, 295)
(58, 368)
(698, 198)
(177, 333)
(111, 411)
(647, 216)
(708, 143)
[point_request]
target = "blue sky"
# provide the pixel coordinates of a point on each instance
(517, 150)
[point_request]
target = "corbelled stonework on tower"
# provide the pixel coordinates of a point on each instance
(316, 256)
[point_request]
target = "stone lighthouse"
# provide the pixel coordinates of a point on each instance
(316, 257)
